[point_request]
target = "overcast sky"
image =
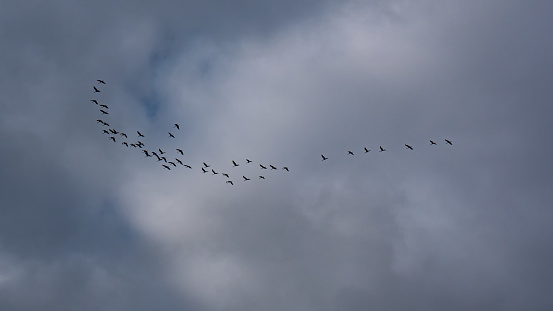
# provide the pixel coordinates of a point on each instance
(89, 224)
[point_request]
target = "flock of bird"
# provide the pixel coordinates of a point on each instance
(169, 162)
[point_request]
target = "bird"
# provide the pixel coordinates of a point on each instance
(102, 111)
(261, 177)
(186, 165)
(123, 134)
(324, 158)
(263, 167)
(125, 143)
(133, 145)
(158, 158)
(94, 101)
(138, 142)
(350, 152)
(177, 126)
(96, 90)
(248, 161)
(112, 138)
(146, 153)
(167, 167)
(229, 182)
(432, 142)
(139, 134)
(101, 81)
(172, 163)
(382, 149)
(113, 131)
(234, 163)
(245, 178)
(366, 150)
(180, 162)
(171, 135)
(100, 121)
(164, 159)
(179, 150)
(206, 165)
(160, 151)
(226, 175)
(105, 132)
(203, 170)
(105, 106)
(272, 167)
(409, 147)
(154, 153)
(105, 123)
(214, 173)
(449, 142)
(285, 168)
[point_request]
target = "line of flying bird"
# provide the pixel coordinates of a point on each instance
(168, 162)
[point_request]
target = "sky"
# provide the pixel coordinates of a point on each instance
(89, 224)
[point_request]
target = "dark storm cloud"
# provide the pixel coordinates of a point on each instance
(89, 224)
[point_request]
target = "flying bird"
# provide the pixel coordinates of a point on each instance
(214, 173)
(409, 147)
(139, 134)
(263, 167)
(229, 182)
(324, 158)
(105, 106)
(449, 142)
(285, 168)
(106, 132)
(167, 167)
(177, 126)
(171, 135)
(226, 175)
(101, 81)
(133, 145)
(112, 138)
(102, 111)
(203, 170)
(382, 149)
(123, 134)
(180, 162)
(187, 165)
(350, 152)
(248, 161)
(272, 167)
(261, 177)
(138, 142)
(172, 163)
(245, 178)
(125, 143)
(105, 123)
(180, 151)
(206, 165)
(164, 159)
(146, 153)
(234, 163)
(366, 150)
(432, 142)
(94, 101)
(160, 151)
(96, 90)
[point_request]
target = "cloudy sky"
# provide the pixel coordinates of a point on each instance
(89, 224)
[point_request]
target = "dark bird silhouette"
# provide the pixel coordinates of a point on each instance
(245, 178)
(234, 163)
(186, 165)
(94, 101)
(160, 151)
(214, 173)
(285, 168)
(229, 182)
(324, 158)
(113, 131)
(101, 81)
(261, 177)
(104, 112)
(226, 175)
(146, 153)
(100, 121)
(123, 134)
(449, 142)
(180, 162)
(172, 163)
(105, 123)
(104, 106)
(139, 134)
(248, 161)
(350, 152)
(203, 170)
(154, 153)
(112, 138)
(177, 126)
(263, 167)
(106, 132)
(382, 149)
(408, 147)
(164, 159)
(138, 142)
(133, 145)
(96, 90)
(272, 167)
(158, 158)
(171, 135)
(167, 167)
(366, 150)
(180, 151)
(206, 165)
(125, 143)
(432, 142)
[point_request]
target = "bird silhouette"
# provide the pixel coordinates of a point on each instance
(94, 101)
(324, 158)
(164, 159)
(186, 165)
(105, 123)
(350, 152)
(432, 142)
(234, 163)
(167, 167)
(229, 182)
(449, 142)
(123, 134)
(245, 178)
(96, 90)
(171, 135)
(180, 151)
(139, 134)
(133, 145)
(206, 165)
(214, 173)
(203, 170)
(408, 147)
(263, 167)
(160, 151)
(146, 153)
(177, 126)
(366, 150)
(101, 81)
(226, 175)
(105, 106)
(180, 162)
(125, 143)
(172, 163)
(272, 167)
(112, 138)
(261, 177)
(105, 132)
(285, 168)
(382, 149)
(138, 142)
(248, 161)
(104, 112)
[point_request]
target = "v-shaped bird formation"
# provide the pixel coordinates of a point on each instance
(168, 158)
